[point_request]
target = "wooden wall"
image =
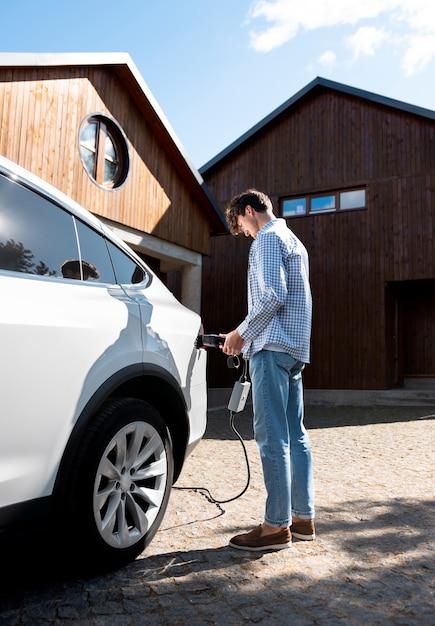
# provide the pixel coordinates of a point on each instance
(328, 142)
(41, 111)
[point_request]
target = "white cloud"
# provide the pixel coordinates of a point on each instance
(419, 52)
(366, 40)
(288, 17)
(328, 58)
(272, 38)
(411, 27)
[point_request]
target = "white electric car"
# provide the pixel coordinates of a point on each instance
(103, 393)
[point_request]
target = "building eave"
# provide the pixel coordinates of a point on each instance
(120, 60)
(297, 97)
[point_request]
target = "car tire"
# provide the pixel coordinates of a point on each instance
(121, 483)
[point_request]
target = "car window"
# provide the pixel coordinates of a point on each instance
(36, 236)
(96, 263)
(127, 271)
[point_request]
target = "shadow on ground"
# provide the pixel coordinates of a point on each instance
(318, 417)
(379, 571)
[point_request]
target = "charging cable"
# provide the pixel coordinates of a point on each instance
(236, 404)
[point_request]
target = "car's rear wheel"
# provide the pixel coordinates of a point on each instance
(123, 479)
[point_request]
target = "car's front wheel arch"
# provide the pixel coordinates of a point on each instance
(155, 386)
(171, 406)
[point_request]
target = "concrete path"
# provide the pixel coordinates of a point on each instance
(371, 564)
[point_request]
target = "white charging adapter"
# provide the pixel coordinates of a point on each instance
(239, 396)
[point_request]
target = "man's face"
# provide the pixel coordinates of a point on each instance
(248, 224)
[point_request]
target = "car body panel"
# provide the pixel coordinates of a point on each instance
(86, 332)
(168, 329)
(62, 339)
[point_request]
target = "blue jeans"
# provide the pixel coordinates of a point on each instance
(281, 436)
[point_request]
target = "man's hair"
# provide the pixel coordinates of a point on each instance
(255, 199)
(71, 269)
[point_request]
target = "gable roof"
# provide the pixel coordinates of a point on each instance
(122, 64)
(315, 84)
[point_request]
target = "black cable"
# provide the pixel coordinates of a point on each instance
(203, 490)
(245, 371)
(206, 492)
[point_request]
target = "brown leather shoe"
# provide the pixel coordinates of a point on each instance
(303, 529)
(256, 542)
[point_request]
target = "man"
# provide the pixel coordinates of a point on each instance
(275, 337)
(71, 269)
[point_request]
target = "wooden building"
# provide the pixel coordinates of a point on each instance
(354, 175)
(88, 124)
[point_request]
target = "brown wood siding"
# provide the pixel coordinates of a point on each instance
(329, 142)
(41, 111)
(224, 297)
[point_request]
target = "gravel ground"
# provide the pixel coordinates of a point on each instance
(372, 562)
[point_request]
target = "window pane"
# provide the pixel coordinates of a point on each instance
(322, 203)
(353, 199)
(96, 263)
(294, 206)
(88, 136)
(109, 171)
(109, 149)
(109, 166)
(88, 158)
(126, 270)
(36, 236)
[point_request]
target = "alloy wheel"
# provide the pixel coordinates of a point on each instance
(130, 484)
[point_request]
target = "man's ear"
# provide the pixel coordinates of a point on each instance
(249, 210)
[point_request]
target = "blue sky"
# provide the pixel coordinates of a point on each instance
(218, 67)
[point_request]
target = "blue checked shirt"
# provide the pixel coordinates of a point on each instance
(279, 295)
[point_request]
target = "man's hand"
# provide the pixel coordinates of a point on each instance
(233, 343)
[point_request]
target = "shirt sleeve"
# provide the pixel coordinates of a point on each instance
(272, 287)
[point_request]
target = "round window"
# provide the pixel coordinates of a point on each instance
(103, 150)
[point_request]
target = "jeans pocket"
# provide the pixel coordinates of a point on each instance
(292, 365)
(297, 368)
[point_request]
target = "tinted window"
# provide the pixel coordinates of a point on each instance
(36, 236)
(126, 270)
(96, 263)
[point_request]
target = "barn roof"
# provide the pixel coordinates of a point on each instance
(122, 64)
(314, 85)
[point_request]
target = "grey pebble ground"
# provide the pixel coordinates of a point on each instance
(372, 562)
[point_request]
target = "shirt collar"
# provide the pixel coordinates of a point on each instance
(268, 225)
